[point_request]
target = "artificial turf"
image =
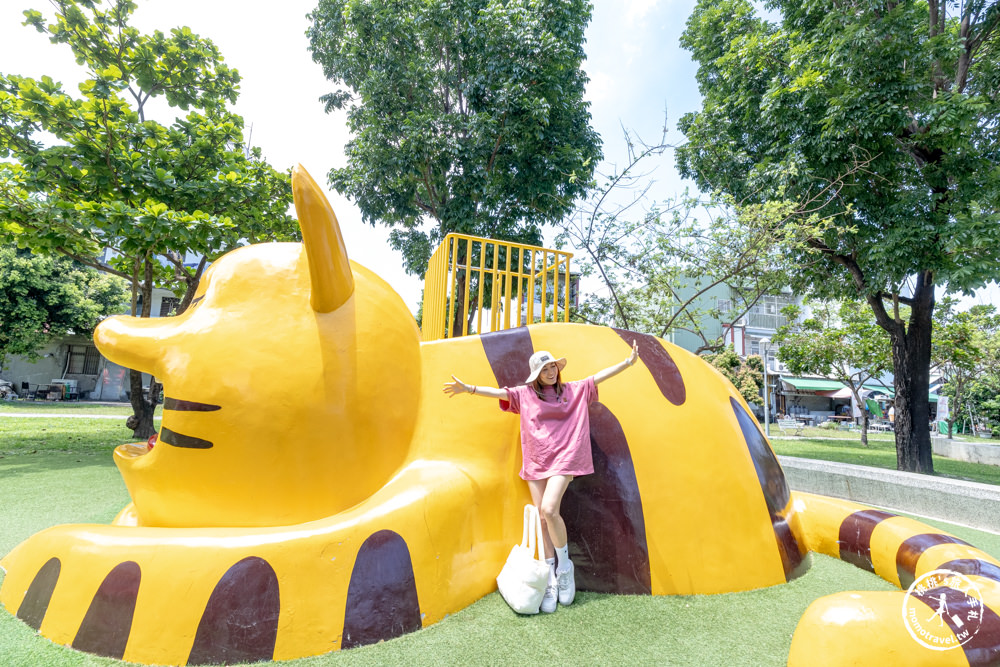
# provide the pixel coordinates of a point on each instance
(44, 487)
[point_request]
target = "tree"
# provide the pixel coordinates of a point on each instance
(840, 341)
(657, 262)
(94, 179)
(962, 352)
(904, 88)
(746, 375)
(43, 298)
(468, 113)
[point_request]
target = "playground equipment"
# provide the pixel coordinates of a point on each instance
(312, 489)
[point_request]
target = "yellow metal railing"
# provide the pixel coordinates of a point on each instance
(495, 276)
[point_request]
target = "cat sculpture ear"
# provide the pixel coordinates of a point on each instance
(329, 268)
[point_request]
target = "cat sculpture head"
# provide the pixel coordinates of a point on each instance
(291, 384)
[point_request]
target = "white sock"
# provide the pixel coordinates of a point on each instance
(551, 562)
(563, 554)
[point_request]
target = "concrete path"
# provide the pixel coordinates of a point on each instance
(61, 415)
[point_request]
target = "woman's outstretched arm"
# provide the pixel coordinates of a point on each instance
(459, 387)
(612, 371)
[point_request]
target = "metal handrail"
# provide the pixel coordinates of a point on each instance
(511, 282)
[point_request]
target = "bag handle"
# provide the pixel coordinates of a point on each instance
(531, 532)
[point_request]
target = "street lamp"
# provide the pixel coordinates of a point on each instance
(764, 343)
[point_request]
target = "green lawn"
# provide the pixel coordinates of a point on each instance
(40, 435)
(60, 471)
(880, 453)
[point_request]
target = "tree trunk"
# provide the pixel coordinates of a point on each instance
(143, 405)
(458, 312)
(911, 358)
(911, 361)
(864, 428)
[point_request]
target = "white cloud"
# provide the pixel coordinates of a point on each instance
(636, 10)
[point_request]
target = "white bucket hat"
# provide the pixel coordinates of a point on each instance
(538, 360)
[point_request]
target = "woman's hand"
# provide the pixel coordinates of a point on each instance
(456, 387)
(635, 353)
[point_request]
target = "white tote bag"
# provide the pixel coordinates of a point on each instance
(523, 578)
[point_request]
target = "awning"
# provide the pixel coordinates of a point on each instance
(809, 384)
(844, 392)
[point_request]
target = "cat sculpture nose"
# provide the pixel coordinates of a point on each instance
(132, 342)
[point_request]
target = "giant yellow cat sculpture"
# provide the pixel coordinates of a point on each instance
(312, 489)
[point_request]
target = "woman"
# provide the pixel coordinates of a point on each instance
(555, 448)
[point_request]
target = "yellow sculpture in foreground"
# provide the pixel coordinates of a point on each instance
(312, 489)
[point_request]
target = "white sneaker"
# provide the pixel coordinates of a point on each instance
(567, 585)
(549, 599)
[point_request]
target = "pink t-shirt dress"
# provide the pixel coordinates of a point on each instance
(555, 434)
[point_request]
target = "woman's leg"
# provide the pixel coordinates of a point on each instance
(537, 488)
(547, 494)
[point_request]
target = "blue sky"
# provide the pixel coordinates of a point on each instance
(636, 67)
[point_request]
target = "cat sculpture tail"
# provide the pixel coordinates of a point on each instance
(946, 613)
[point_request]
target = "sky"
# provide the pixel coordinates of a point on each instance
(638, 73)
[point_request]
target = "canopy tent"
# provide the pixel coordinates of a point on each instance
(811, 384)
(837, 389)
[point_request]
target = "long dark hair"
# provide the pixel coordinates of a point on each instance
(540, 388)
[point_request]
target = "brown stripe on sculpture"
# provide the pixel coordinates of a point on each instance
(240, 621)
(188, 406)
(983, 648)
(972, 567)
(603, 515)
(774, 488)
(106, 627)
(855, 537)
(508, 352)
(36, 600)
(181, 440)
(909, 553)
(660, 364)
(382, 595)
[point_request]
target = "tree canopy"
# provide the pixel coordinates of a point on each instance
(895, 101)
(93, 178)
(469, 114)
(965, 349)
(666, 267)
(45, 297)
(746, 375)
(837, 340)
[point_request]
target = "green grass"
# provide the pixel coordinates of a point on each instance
(880, 453)
(26, 436)
(64, 474)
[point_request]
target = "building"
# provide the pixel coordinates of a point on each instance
(75, 363)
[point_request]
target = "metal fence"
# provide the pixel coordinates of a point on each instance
(475, 285)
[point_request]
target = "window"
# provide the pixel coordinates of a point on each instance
(168, 305)
(83, 359)
(724, 305)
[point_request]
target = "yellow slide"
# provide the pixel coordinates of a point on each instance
(313, 489)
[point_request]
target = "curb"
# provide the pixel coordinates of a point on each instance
(963, 503)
